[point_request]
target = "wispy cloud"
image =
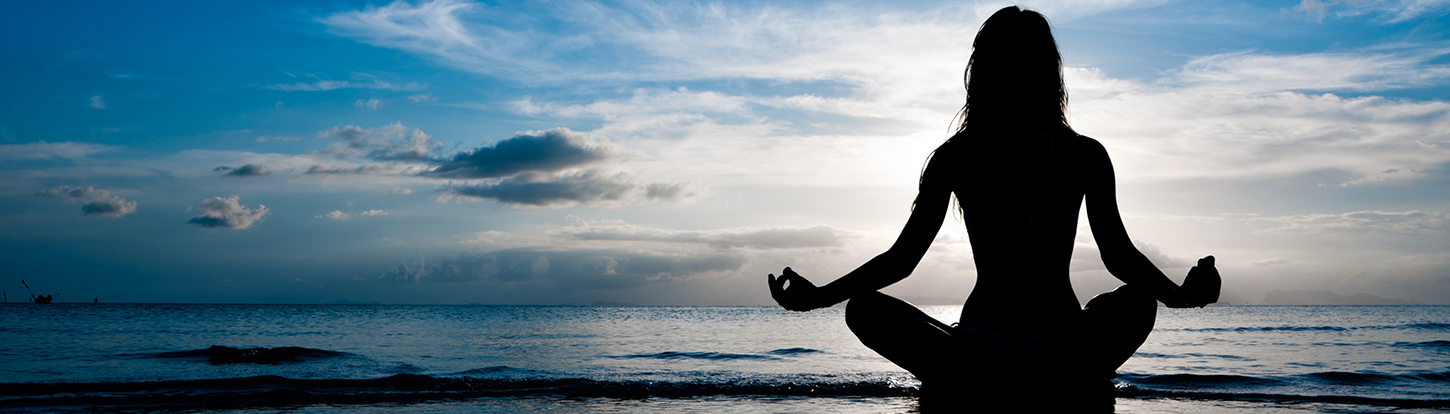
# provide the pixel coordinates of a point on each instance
(566, 268)
(1390, 11)
(758, 238)
(327, 85)
(613, 254)
(434, 28)
(1412, 221)
(46, 150)
(1247, 120)
(1258, 72)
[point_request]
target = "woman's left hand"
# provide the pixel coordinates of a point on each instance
(800, 296)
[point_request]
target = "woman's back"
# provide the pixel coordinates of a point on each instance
(1020, 198)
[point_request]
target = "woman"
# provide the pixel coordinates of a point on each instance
(1020, 175)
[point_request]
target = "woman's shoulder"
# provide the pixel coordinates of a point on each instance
(1085, 146)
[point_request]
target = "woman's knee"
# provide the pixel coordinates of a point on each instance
(862, 309)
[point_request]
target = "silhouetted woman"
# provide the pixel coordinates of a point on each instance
(1020, 175)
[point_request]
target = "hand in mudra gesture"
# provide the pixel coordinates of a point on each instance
(1200, 287)
(801, 295)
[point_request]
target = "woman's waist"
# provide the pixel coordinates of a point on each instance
(1020, 315)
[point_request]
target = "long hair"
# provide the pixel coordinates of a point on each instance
(1014, 89)
(1014, 76)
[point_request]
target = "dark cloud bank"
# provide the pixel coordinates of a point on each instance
(534, 168)
(543, 151)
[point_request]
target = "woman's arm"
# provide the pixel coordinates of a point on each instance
(901, 259)
(890, 267)
(1122, 259)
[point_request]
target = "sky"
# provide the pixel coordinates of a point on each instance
(674, 153)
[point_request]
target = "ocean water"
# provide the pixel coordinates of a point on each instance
(441, 358)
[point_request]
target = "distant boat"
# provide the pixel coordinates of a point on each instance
(40, 299)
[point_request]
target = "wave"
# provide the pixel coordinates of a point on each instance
(796, 351)
(721, 356)
(696, 355)
(1200, 381)
(1438, 345)
(275, 390)
(1269, 329)
(1429, 326)
(1433, 326)
(1241, 381)
(218, 354)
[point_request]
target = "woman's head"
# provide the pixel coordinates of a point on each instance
(1015, 73)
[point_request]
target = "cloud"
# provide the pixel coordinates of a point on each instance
(1159, 258)
(533, 168)
(1392, 11)
(423, 97)
(265, 138)
(1383, 176)
(666, 191)
(401, 190)
(1086, 255)
(97, 103)
(335, 215)
(538, 189)
(570, 269)
(431, 28)
(365, 169)
(677, 40)
(51, 150)
(531, 151)
(1412, 221)
(95, 201)
(1257, 72)
(339, 215)
(385, 143)
(372, 104)
(1270, 261)
(246, 170)
(1244, 120)
(756, 238)
(327, 85)
(217, 212)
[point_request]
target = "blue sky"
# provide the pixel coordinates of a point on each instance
(675, 153)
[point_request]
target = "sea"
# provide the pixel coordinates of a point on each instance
(247, 358)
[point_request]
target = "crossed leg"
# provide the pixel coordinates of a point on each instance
(905, 335)
(1104, 335)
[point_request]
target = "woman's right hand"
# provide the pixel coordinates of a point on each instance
(1200, 287)
(800, 296)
